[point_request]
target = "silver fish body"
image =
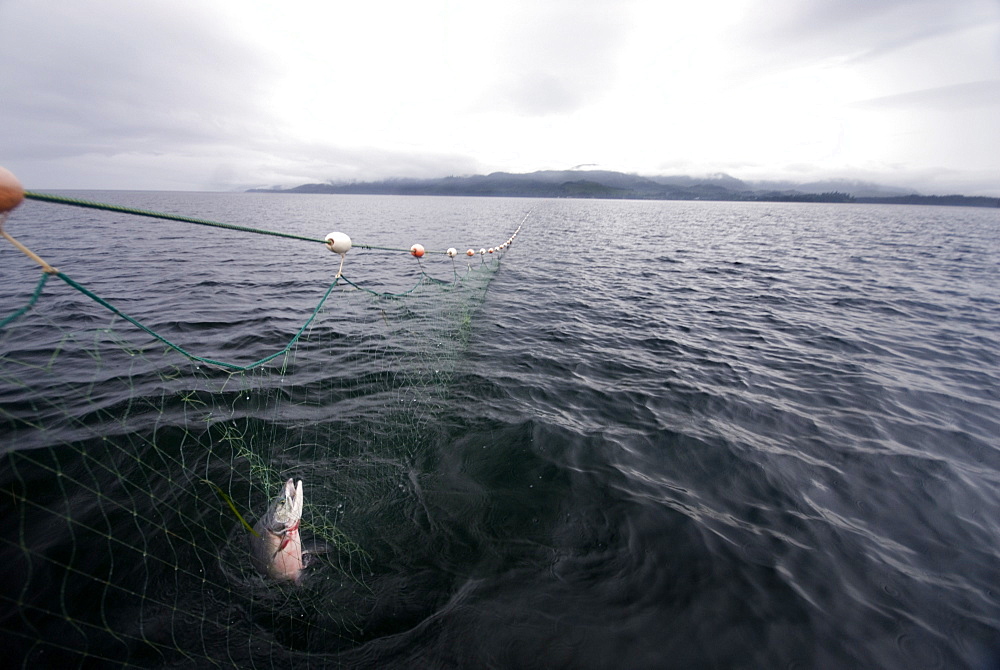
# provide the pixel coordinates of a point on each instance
(276, 551)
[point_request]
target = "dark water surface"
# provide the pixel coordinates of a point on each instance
(675, 434)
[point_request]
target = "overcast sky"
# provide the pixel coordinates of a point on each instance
(220, 94)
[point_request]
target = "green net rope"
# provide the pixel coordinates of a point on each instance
(89, 204)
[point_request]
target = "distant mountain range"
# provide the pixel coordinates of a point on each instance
(619, 185)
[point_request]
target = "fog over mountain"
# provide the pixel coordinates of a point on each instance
(620, 185)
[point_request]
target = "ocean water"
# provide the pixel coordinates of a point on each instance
(675, 434)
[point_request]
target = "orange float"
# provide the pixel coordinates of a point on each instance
(11, 191)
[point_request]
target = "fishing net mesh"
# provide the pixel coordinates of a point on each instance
(126, 467)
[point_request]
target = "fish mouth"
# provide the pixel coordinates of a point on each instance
(286, 509)
(293, 495)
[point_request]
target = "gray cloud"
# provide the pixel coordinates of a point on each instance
(154, 78)
(854, 30)
(539, 93)
(317, 162)
(957, 97)
(560, 55)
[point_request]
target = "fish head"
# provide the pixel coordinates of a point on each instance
(285, 510)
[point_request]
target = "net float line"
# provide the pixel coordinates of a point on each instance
(12, 195)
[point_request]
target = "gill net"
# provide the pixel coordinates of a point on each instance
(148, 416)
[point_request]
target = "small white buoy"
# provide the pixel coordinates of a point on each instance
(452, 252)
(338, 243)
(482, 252)
(417, 250)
